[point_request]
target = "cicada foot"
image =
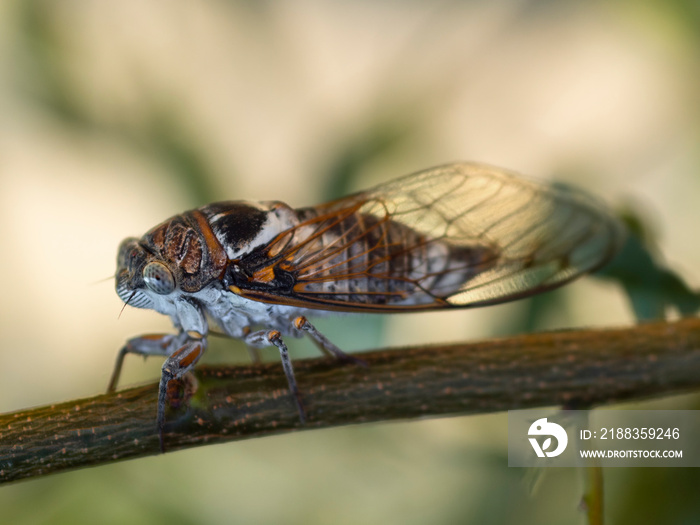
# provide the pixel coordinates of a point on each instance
(180, 391)
(327, 347)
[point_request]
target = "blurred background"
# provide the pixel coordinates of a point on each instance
(117, 115)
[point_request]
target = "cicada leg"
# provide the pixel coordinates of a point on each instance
(327, 347)
(145, 345)
(182, 350)
(264, 338)
(176, 365)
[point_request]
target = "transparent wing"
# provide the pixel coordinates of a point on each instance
(456, 235)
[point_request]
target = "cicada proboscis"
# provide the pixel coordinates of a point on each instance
(456, 236)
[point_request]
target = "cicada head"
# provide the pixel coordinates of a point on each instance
(179, 256)
(141, 275)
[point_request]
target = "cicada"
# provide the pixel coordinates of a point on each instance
(456, 236)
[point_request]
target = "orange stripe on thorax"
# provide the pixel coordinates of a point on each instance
(216, 251)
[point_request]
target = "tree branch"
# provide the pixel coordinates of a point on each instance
(574, 369)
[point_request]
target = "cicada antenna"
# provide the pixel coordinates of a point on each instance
(100, 281)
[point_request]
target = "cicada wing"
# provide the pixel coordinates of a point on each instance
(546, 235)
(456, 235)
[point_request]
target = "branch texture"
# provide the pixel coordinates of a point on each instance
(573, 369)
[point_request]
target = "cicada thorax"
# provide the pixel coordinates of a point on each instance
(187, 244)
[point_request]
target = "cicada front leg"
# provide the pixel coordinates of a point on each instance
(182, 351)
(145, 345)
(176, 365)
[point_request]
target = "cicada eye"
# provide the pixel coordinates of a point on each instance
(158, 278)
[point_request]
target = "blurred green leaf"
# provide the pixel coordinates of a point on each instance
(651, 287)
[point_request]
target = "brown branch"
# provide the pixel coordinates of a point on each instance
(573, 369)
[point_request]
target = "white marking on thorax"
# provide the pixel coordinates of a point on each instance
(280, 217)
